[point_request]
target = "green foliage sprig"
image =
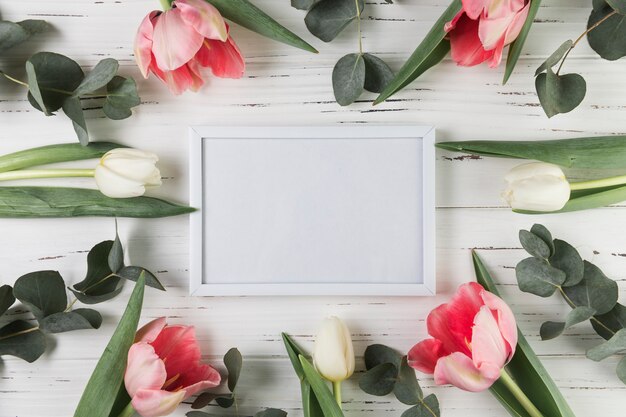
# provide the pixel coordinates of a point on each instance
(44, 294)
(354, 72)
(556, 266)
(55, 81)
(387, 372)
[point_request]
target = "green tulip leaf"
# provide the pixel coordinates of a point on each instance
(378, 354)
(380, 380)
(310, 404)
(544, 234)
(51, 78)
(515, 49)
(567, 259)
(132, 273)
(23, 340)
(6, 298)
(608, 39)
(74, 110)
(327, 18)
(107, 378)
(551, 329)
(595, 290)
(326, 400)
(43, 292)
(534, 245)
(120, 98)
(614, 345)
(559, 93)
(555, 57)
(98, 77)
(377, 73)
(271, 412)
(79, 319)
(538, 277)
(12, 34)
(606, 325)
(407, 390)
(349, 79)
(428, 408)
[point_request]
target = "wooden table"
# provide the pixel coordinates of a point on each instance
(285, 86)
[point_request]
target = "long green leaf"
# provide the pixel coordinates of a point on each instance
(414, 66)
(29, 202)
(55, 153)
(251, 17)
(526, 369)
(310, 404)
(602, 152)
(327, 401)
(588, 201)
(102, 389)
(515, 49)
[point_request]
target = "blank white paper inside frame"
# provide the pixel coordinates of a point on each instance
(312, 210)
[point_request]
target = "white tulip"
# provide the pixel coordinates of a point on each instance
(126, 172)
(536, 186)
(333, 356)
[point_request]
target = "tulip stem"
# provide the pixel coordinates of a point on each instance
(128, 411)
(337, 391)
(519, 394)
(25, 174)
(604, 182)
(166, 4)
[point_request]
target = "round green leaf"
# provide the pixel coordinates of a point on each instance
(621, 370)
(79, 319)
(377, 354)
(12, 34)
(6, 298)
(618, 5)
(327, 18)
(233, 362)
(407, 390)
(271, 412)
(74, 110)
(349, 79)
(551, 329)
(98, 77)
(559, 93)
(534, 245)
(377, 73)
(606, 325)
(116, 255)
(121, 96)
(57, 76)
(595, 290)
(43, 292)
(542, 232)
(379, 380)
(22, 339)
(567, 259)
(608, 39)
(555, 57)
(537, 277)
(614, 345)
(133, 272)
(203, 400)
(428, 408)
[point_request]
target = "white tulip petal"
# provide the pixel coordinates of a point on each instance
(533, 169)
(116, 186)
(333, 356)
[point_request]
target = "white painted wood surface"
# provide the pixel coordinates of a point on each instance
(285, 86)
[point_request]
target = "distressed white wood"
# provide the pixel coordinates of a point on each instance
(285, 86)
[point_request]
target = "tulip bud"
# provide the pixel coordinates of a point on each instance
(536, 186)
(333, 356)
(126, 172)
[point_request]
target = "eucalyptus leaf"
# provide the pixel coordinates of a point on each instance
(379, 380)
(234, 363)
(534, 245)
(614, 345)
(377, 73)
(74, 110)
(99, 279)
(34, 92)
(6, 298)
(515, 48)
(78, 319)
(551, 329)
(203, 400)
(327, 18)
(555, 57)
(326, 400)
(12, 34)
(120, 98)
(608, 39)
(428, 408)
(595, 290)
(88, 298)
(22, 339)
(544, 234)
(43, 292)
(618, 5)
(559, 93)
(348, 78)
(621, 370)
(567, 259)
(55, 76)
(377, 354)
(116, 254)
(606, 325)
(225, 401)
(303, 4)
(131, 273)
(98, 77)
(407, 390)
(538, 277)
(271, 412)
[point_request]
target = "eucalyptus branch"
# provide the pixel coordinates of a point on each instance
(358, 25)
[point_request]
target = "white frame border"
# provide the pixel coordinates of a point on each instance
(196, 270)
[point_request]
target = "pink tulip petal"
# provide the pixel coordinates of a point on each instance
(516, 25)
(474, 8)
(425, 354)
(179, 349)
(491, 31)
(156, 403)
(178, 80)
(466, 49)
(174, 41)
(197, 75)
(199, 378)
(150, 331)
(143, 43)
(452, 24)
(145, 370)
(204, 18)
(505, 318)
(224, 58)
(459, 370)
(488, 346)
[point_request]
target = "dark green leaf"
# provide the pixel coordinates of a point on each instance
(379, 380)
(116, 255)
(79, 319)
(121, 96)
(74, 110)
(534, 245)
(246, 14)
(415, 65)
(377, 354)
(57, 76)
(525, 366)
(99, 279)
(203, 400)
(303, 4)
(294, 352)
(618, 5)
(608, 39)
(225, 401)
(99, 77)
(435, 57)
(12, 34)
(377, 73)
(621, 370)
(234, 363)
(551, 329)
(595, 290)
(116, 113)
(544, 234)
(310, 404)
(271, 412)
(614, 345)
(606, 325)
(515, 49)
(22, 339)
(121, 401)
(559, 93)
(348, 78)
(428, 408)
(407, 389)
(327, 18)
(132, 273)
(567, 259)
(6, 298)
(34, 92)
(537, 277)
(29, 202)
(555, 57)
(103, 386)
(326, 400)
(43, 292)
(105, 296)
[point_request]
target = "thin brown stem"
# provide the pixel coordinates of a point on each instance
(32, 329)
(358, 25)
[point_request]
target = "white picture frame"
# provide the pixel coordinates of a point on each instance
(239, 245)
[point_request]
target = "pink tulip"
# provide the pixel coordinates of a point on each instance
(178, 44)
(164, 368)
(474, 337)
(481, 30)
